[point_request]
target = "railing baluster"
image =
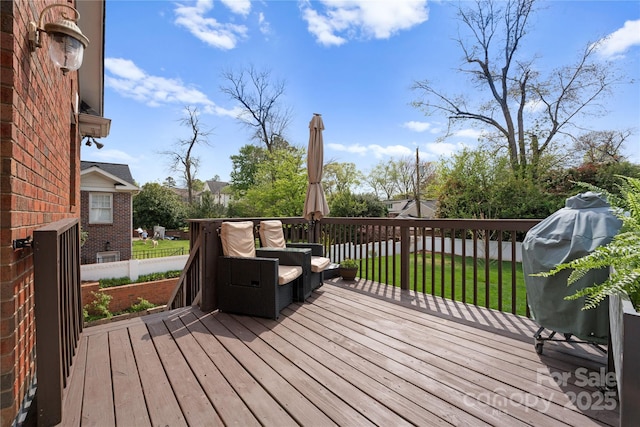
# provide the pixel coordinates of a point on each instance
(453, 264)
(487, 270)
(500, 270)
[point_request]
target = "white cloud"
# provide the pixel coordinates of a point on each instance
(469, 133)
(241, 7)
(417, 126)
(436, 150)
(376, 150)
(209, 30)
(534, 106)
(340, 20)
(263, 24)
(617, 43)
(130, 81)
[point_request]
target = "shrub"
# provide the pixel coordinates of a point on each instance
(114, 281)
(120, 281)
(141, 305)
(159, 276)
(98, 308)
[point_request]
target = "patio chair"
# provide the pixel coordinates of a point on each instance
(272, 236)
(255, 282)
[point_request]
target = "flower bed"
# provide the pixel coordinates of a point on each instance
(123, 297)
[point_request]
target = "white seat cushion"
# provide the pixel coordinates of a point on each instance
(271, 234)
(319, 263)
(288, 273)
(237, 239)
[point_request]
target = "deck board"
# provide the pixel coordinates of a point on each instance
(356, 353)
(130, 407)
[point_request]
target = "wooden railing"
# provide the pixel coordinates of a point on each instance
(58, 312)
(475, 261)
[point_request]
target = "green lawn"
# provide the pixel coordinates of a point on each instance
(142, 249)
(418, 277)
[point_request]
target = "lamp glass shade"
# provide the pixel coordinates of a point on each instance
(65, 51)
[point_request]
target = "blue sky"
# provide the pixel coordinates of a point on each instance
(352, 61)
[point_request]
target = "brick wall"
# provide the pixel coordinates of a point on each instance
(118, 234)
(123, 297)
(39, 162)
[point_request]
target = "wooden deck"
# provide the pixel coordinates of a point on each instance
(353, 355)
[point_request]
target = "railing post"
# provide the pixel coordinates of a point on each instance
(405, 242)
(210, 251)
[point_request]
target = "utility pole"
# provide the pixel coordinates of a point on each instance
(418, 204)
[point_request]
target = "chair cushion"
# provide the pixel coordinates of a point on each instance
(319, 263)
(271, 234)
(237, 239)
(288, 273)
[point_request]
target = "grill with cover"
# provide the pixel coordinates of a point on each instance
(572, 232)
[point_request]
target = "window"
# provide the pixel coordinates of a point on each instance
(100, 208)
(111, 256)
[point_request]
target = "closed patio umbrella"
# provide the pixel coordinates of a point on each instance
(315, 204)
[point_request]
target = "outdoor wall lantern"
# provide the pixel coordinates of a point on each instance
(66, 44)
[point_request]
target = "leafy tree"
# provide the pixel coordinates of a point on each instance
(563, 182)
(182, 157)
(279, 188)
(509, 83)
(340, 177)
(244, 168)
(157, 205)
(383, 180)
(259, 97)
(603, 146)
(346, 204)
(396, 178)
(478, 184)
(207, 207)
(169, 182)
(197, 185)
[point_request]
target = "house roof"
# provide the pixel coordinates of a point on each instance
(119, 173)
(216, 186)
(427, 209)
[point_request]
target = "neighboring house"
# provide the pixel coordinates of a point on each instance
(183, 194)
(217, 189)
(106, 197)
(43, 125)
(408, 208)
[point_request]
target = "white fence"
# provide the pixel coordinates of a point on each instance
(382, 249)
(131, 268)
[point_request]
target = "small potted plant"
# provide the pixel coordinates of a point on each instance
(349, 268)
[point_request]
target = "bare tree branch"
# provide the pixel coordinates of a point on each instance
(182, 159)
(259, 97)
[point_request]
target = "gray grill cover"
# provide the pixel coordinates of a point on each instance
(585, 223)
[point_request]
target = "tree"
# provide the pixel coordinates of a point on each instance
(397, 178)
(206, 207)
(157, 205)
(510, 84)
(169, 182)
(259, 97)
(382, 178)
(346, 204)
(601, 146)
(478, 184)
(279, 188)
(182, 158)
(244, 168)
(340, 177)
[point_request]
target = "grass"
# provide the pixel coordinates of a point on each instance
(164, 248)
(420, 279)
